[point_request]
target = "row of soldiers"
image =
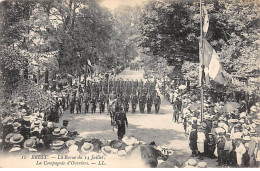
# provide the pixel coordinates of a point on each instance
(135, 67)
(100, 94)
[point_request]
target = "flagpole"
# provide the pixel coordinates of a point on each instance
(202, 62)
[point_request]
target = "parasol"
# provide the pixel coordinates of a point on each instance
(230, 106)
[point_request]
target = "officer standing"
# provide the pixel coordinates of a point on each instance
(102, 103)
(126, 102)
(149, 103)
(121, 121)
(157, 103)
(134, 102)
(93, 105)
(142, 102)
(87, 101)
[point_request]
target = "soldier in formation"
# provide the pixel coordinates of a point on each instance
(95, 95)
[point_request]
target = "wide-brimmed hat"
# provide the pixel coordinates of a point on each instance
(256, 121)
(70, 143)
(63, 132)
(118, 144)
(87, 147)
(192, 162)
(233, 120)
(202, 165)
(23, 111)
(56, 132)
(29, 143)
(8, 137)
(37, 122)
(16, 138)
(56, 145)
(247, 138)
(252, 132)
(106, 150)
(27, 118)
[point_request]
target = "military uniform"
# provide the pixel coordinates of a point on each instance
(93, 103)
(87, 102)
(121, 121)
(126, 102)
(157, 103)
(149, 104)
(134, 102)
(102, 100)
(142, 102)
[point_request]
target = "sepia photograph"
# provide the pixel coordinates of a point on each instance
(129, 84)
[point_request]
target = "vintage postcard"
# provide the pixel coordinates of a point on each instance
(129, 84)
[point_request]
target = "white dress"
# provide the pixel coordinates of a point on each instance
(200, 141)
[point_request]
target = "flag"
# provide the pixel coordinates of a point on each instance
(206, 21)
(213, 68)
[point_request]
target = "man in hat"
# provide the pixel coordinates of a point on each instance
(211, 146)
(87, 102)
(193, 141)
(149, 103)
(46, 134)
(102, 100)
(220, 149)
(126, 102)
(142, 102)
(227, 150)
(134, 101)
(8, 127)
(93, 103)
(121, 121)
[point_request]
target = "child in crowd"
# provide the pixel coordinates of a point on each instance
(200, 142)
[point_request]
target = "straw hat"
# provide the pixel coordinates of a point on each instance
(29, 143)
(8, 137)
(56, 132)
(23, 111)
(87, 147)
(252, 132)
(63, 132)
(56, 145)
(37, 122)
(27, 118)
(16, 138)
(247, 138)
(256, 121)
(118, 144)
(106, 150)
(191, 162)
(202, 165)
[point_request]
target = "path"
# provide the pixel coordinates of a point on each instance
(146, 127)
